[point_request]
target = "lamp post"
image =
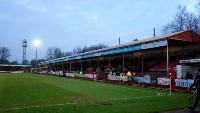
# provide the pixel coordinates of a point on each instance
(36, 43)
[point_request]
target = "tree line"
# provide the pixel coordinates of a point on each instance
(54, 52)
(182, 20)
(51, 53)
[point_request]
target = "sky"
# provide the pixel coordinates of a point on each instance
(67, 24)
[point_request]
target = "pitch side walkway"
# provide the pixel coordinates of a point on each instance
(186, 110)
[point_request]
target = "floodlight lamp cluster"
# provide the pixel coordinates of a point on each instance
(37, 43)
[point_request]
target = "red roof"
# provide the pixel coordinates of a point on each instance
(188, 36)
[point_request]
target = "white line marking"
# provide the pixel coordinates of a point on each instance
(139, 97)
(131, 88)
(28, 107)
(157, 94)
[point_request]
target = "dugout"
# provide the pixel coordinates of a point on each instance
(152, 56)
(189, 65)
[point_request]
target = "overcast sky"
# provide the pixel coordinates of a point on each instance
(67, 24)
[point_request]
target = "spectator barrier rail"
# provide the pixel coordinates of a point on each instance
(146, 81)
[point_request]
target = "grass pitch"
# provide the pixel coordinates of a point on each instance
(34, 93)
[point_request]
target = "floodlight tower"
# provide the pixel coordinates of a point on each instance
(24, 45)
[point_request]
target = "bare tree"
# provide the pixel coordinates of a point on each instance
(14, 62)
(33, 62)
(68, 53)
(77, 50)
(49, 54)
(4, 55)
(25, 62)
(95, 47)
(198, 14)
(85, 49)
(180, 19)
(58, 53)
(198, 8)
(183, 20)
(192, 22)
(53, 53)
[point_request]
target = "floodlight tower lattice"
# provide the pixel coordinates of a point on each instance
(24, 45)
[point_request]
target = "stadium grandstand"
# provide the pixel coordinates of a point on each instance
(7, 68)
(152, 57)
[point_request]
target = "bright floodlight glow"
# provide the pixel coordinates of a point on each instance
(37, 43)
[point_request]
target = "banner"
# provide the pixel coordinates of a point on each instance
(84, 75)
(57, 73)
(164, 81)
(154, 44)
(88, 75)
(53, 73)
(143, 79)
(179, 82)
(184, 83)
(78, 75)
(147, 80)
(113, 77)
(70, 74)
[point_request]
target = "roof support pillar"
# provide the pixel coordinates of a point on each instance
(123, 62)
(62, 65)
(81, 65)
(142, 64)
(70, 66)
(108, 64)
(168, 63)
(89, 63)
(97, 64)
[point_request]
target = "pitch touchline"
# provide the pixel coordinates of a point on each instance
(38, 106)
(28, 107)
(158, 95)
(131, 88)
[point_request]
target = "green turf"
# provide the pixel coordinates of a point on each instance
(34, 93)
